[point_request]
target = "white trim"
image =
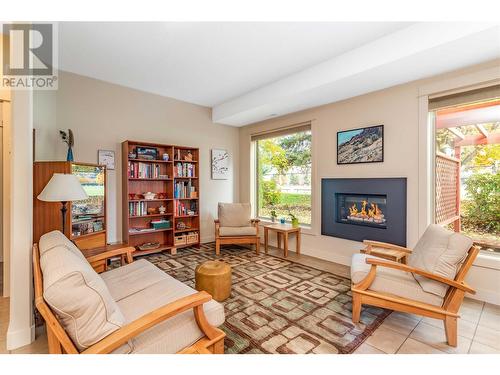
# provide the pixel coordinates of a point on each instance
(20, 337)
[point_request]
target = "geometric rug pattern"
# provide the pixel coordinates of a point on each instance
(278, 306)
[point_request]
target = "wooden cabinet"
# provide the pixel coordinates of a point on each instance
(175, 185)
(85, 220)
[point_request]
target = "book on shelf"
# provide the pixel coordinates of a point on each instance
(137, 208)
(184, 189)
(186, 208)
(184, 169)
(144, 170)
(141, 230)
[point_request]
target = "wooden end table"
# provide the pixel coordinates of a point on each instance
(282, 230)
(101, 265)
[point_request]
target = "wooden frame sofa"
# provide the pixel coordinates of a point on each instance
(60, 264)
(412, 289)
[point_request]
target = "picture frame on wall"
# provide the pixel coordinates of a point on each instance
(106, 158)
(361, 145)
(220, 164)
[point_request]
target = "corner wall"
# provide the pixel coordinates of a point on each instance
(397, 108)
(102, 115)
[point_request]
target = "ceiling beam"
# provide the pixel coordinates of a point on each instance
(456, 133)
(478, 139)
(482, 130)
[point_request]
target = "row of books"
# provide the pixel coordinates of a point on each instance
(137, 208)
(143, 170)
(184, 189)
(185, 208)
(184, 170)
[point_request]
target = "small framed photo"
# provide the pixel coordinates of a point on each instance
(107, 158)
(363, 145)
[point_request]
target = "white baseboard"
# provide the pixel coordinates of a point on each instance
(21, 337)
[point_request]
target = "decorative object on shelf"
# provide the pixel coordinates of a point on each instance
(152, 210)
(69, 139)
(63, 188)
(107, 158)
(149, 196)
(181, 225)
(282, 220)
(294, 219)
(220, 164)
(146, 153)
(165, 157)
(273, 216)
(132, 155)
(163, 176)
(162, 209)
(188, 156)
(148, 246)
(363, 145)
(160, 224)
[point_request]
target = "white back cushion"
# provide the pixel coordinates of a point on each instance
(439, 251)
(234, 214)
(77, 294)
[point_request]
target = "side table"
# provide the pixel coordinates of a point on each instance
(282, 230)
(100, 263)
(386, 251)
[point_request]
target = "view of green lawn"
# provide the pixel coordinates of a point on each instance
(299, 204)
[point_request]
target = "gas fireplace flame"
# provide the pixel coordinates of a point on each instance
(373, 214)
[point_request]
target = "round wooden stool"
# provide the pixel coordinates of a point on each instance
(214, 277)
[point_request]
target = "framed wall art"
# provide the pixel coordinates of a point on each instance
(362, 145)
(220, 164)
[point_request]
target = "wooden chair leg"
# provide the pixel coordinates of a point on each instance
(257, 246)
(450, 327)
(356, 307)
(54, 344)
(217, 247)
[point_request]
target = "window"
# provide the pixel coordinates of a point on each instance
(467, 169)
(283, 174)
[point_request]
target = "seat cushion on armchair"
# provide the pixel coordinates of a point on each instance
(77, 294)
(237, 231)
(440, 252)
(174, 334)
(391, 281)
(234, 214)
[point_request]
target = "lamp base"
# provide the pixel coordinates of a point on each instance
(64, 209)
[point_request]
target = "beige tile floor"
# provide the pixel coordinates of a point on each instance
(400, 333)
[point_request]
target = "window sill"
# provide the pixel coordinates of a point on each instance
(485, 260)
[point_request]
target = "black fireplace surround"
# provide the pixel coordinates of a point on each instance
(364, 209)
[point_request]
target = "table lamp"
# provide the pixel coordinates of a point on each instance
(63, 188)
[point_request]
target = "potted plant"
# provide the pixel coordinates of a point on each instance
(295, 221)
(273, 216)
(70, 141)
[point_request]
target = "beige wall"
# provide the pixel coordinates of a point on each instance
(102, 115)
(397, 108)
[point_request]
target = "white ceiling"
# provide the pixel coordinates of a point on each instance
(249, 71)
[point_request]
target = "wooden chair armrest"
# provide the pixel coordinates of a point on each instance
(369, 244)
(127, 332)
(406, 268)
(127, 251)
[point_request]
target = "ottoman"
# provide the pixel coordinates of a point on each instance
(214, 277)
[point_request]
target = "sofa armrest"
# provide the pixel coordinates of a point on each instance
(403, 267)
(132, 329)
(124, 251)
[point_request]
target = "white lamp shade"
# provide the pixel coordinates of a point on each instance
(63, 188)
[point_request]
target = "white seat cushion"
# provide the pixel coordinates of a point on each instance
(440, 252)
(237, 231)
(77, 295)
(234, 214)
(131, 278)
(172, 335)
(391, 281)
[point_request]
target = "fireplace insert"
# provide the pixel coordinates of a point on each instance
(362, 209)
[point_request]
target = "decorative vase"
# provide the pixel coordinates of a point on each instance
(295, 223)
(282, 220)
(273, 219)
(69, 156)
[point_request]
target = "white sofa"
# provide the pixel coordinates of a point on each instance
(91, 306)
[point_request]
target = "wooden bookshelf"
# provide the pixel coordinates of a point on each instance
(172, 179)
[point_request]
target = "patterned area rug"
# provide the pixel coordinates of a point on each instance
(278, 306)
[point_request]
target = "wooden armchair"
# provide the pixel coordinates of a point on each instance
(234, 226)
(60, 342)
(375, 282)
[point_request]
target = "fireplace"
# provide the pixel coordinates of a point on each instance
(364, 208)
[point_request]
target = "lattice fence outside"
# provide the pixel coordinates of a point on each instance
(447, 189)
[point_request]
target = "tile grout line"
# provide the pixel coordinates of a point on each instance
(407, 337)
(477, 326)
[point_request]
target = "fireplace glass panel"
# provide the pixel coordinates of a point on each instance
(362, 209)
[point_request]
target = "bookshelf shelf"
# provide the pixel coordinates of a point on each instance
(142, 175)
